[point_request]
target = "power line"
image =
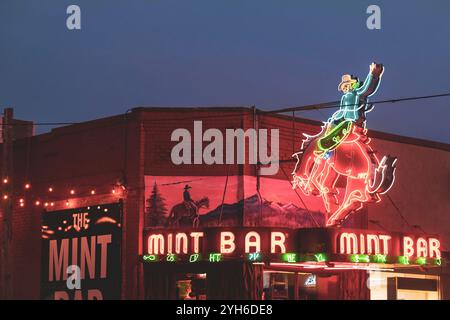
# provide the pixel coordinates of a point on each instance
(397, 209)
(336, 104)
(318, 106)
(40, 124)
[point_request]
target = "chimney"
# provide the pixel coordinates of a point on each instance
(20, 129)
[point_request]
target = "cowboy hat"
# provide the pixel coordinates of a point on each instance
(186, 187)
(346, 79)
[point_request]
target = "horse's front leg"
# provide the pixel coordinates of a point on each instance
(311, 184)
(196, 221)
(304, 174)
(318, 175)
(355, 195)
(329, 192)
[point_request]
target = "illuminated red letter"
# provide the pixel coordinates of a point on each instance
(348, 243)
(385, 240)
(155, 244)
(61, 295)
(362, 244)
(227, 242)
(435, 251)
(277, 239)
(408, 247)
(181, 237)
(422, 248)
(58, 260)
(196, 236)
(104, 240)
(170, 243)
(255, 243)
(373, 239)
(95, 294)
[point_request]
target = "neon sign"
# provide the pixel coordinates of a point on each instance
(351, 243)
(381, 245)
(342, 151)
(320, 257)
(255, 256)
(318, 246)
(215, 257)
(229, 242)
(289, 257)
(195, 257)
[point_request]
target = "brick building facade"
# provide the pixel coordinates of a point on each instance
(107, 160)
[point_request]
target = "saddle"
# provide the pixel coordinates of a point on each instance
(334, 135)
(190, 206)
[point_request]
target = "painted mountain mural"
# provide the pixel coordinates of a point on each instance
(228, 202)
(254, 211)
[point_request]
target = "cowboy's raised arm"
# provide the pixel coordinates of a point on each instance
(372, 82)
(366, 85)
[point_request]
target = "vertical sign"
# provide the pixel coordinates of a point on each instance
(81, 251)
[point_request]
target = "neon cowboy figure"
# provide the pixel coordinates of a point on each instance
(342, 150)
(352, 109)
(354, 100)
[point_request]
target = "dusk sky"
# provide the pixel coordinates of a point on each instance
(271, 54)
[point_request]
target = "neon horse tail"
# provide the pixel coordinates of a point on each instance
(384, 176)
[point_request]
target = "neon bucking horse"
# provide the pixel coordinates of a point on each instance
(340, 154)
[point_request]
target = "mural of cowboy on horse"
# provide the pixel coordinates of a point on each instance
(342, 152)
(188, 209)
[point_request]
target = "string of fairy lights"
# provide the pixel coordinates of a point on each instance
(50, 198)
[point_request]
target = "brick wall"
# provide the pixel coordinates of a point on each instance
(97, 154)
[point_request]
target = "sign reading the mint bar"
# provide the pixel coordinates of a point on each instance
(216, 244)
(81, 253)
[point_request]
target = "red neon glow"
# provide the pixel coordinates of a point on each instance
(435, 251)
(298, 265)
(227, 242)
(373, 244)
(422, 247)
(169, 243)
(252, 241)
(155, 244)
(385, 239)
(277, 240)
(428, 248)
(355, 161)
(342, 266)
(408, 246)
(351, 243)
(181, 243)
(196, 238)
